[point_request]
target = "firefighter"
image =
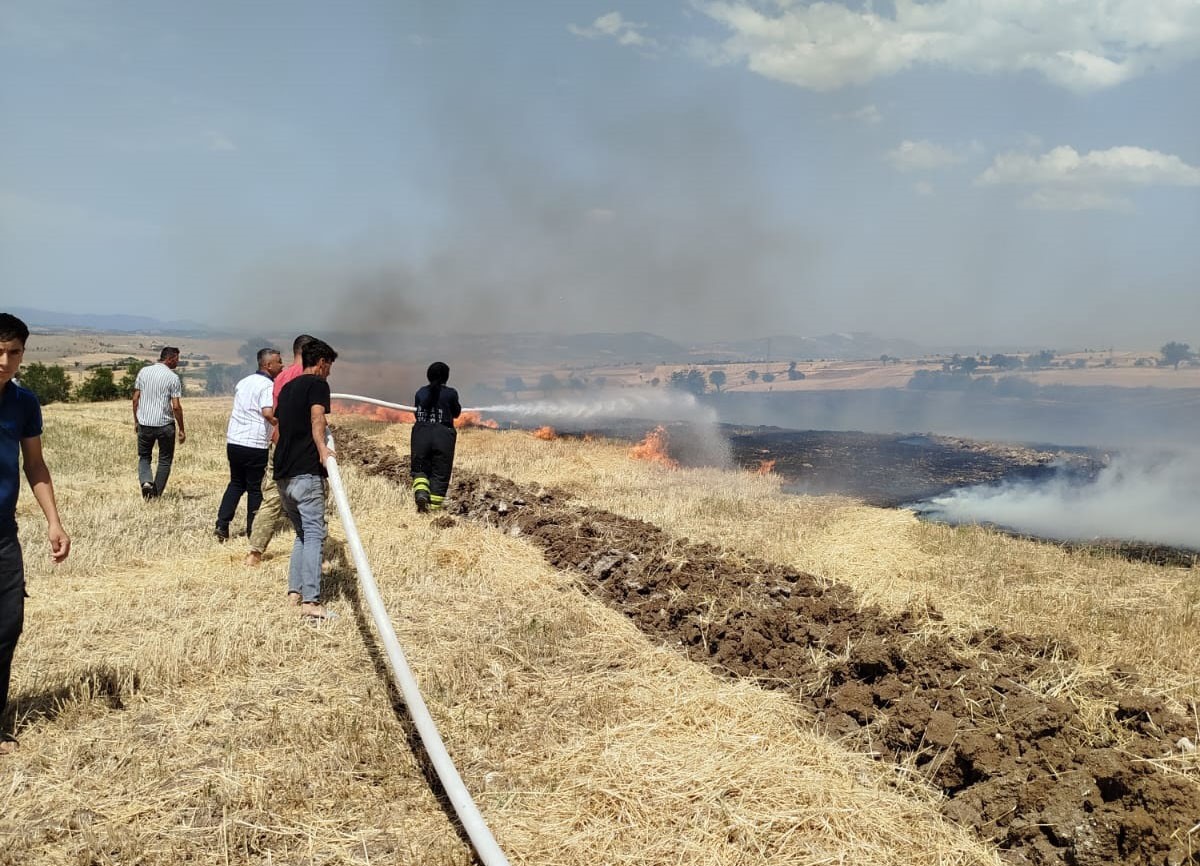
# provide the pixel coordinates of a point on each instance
(433, 439)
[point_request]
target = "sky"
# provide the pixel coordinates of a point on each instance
(990, 172)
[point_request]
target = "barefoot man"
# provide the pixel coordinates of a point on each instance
(300, 472)
(20, 433)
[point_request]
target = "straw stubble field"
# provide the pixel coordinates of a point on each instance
(171, 709)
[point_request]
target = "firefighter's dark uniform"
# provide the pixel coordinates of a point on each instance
(433, 440)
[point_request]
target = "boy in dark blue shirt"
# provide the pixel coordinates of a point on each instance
(20, 434)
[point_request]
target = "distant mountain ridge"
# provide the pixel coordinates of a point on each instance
(530, 347)
(106, 322)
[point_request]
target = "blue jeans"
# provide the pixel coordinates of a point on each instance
(147, 438)
(303, 500)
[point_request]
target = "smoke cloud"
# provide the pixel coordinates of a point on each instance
(1140, 497)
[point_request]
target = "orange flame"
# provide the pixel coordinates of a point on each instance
(765, 467)
(378, 413)
(545, 433)
(474, 419)
(654, 448)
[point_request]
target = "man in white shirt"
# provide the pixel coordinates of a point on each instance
(248, 441)
(158, 418)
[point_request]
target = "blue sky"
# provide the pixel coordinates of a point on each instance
(952, 171)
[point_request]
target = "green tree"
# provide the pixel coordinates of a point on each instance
(717, 379)
(99, 387)
(752, 375)
(125, 386)
(768, 377)
(547, 383)
(49, 383)
(248, 351)
(689, 380)
(221, 379)
(1041, 360)
(1174, 354)
(513, 384)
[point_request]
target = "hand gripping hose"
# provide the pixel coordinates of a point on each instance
(468, 813)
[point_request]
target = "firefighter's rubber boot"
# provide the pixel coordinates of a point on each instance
(422, 498)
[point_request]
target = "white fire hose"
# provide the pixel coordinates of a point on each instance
(384, 403)
(468, 813)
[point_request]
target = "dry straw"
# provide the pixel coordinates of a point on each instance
(172, 708)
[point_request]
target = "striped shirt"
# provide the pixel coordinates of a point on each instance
(158, 385)
(247, 426)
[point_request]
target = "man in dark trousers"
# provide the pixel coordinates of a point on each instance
(434, 438)
(158, 419)
(20, 434)
(248, 441)
(300, 473)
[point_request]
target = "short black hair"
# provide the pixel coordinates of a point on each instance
(12, 328)
(317, 351)
(438, 373)
(300, 342)
(168, 352)
(264, 354)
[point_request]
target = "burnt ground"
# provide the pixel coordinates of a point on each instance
(891, 470)
(1018, 766)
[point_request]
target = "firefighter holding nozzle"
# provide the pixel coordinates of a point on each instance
(434, 438)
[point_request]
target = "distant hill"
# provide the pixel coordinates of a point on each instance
(105, 322)
(843, 347)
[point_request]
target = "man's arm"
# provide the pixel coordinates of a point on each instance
(38, 476)
(137, 398)
(316, 413)
(177, 411)
(268, 412)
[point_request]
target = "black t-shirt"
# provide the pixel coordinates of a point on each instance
(296, 452)
(437, 407)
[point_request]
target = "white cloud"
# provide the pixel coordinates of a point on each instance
(1134, 166)
(923, 188)
(1069, 180)
(922, 156)
(613, 25)
(1077, 44)
(868, 114)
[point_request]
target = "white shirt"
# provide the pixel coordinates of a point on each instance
(157, 383)
(247, 426)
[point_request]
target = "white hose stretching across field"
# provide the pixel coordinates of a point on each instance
(468, 813)
(384, 403)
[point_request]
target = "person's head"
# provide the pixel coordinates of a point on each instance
(169, 356)
(270, 362)
(438, 373)
(299, 343)
(317, 357)
(13, 334)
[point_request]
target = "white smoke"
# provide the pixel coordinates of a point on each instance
(652, 405)
(1137, 497)
(701, 441)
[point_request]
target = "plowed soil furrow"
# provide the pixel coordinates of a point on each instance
(1020, 767)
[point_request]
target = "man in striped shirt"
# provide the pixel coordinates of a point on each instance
(248, 440)
(158, 419)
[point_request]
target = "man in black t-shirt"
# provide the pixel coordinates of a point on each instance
(300, 472)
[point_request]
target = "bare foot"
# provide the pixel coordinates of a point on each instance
(253, 558)
(7, 746)
(294, 599)
(313, 610)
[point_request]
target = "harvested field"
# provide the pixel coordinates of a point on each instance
(1050, 768)
(171, 710)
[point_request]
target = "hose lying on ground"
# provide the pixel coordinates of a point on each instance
(468, 813)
